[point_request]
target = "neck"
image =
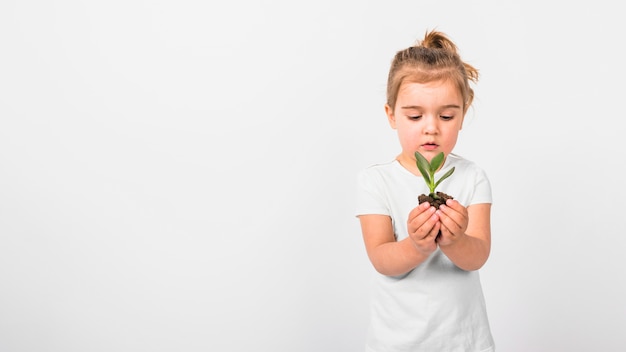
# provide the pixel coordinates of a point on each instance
(408, 164)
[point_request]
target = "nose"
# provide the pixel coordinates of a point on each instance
(430, 125)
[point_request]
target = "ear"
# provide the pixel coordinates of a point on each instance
(390, 116)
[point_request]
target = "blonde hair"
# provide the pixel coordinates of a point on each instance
(434, 58)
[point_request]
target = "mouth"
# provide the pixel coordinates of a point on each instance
(430, 146)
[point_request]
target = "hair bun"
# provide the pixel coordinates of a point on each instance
(438, 40)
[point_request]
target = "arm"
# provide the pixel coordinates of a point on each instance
(465, 234)
(391, 257)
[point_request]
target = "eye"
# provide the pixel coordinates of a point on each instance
(446, 118)
(417, 117)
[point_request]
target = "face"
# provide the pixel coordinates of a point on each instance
(428, 118)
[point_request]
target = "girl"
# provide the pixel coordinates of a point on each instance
(427, 294)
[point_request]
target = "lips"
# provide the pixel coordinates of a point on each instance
(430, 146)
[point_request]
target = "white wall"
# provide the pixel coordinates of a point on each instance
(178, 176)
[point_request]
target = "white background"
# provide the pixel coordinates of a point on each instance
(179, 175)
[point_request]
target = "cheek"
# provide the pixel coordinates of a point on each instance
(408, 137)
(450, 142)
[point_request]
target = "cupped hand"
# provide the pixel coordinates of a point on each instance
(423, 226)
(453, 218)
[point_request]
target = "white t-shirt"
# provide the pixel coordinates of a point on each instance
(437, 306)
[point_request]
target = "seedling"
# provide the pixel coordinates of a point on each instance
(428, 169)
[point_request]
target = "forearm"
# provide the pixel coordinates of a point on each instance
(468, 253)
(396, 258)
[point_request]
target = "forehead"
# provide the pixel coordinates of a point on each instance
(443, 92)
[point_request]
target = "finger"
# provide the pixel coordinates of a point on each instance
(432, 227)
(445, 231)
(454, 209)
(448, 219)
(418, 210)
(435, 231)
(454, 204)
(422, 217)
(448, 211)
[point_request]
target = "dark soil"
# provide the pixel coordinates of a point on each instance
(434, 202)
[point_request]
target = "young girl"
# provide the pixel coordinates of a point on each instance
(427, 294)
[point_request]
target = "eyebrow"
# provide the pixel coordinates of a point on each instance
(449, 106)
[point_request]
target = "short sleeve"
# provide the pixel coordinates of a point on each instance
(370, 197)
(482, 188)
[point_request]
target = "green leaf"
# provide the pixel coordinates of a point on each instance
(446, 175)
(436, 163)
(424, 167)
